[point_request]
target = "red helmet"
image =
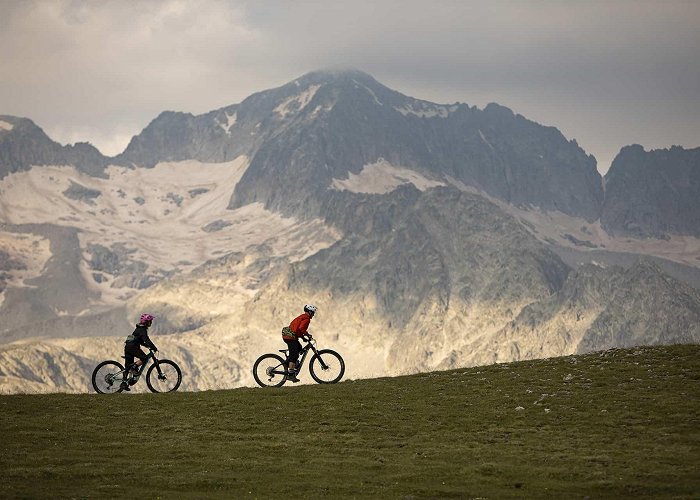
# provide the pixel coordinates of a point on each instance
(145, 317)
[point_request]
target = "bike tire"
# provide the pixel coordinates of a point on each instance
(335, 367)
(107, 377)
(263, 367)
(171, 372)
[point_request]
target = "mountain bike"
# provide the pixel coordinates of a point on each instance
(162, 376)
(326, 366)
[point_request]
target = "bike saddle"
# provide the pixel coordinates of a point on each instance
(284, 350)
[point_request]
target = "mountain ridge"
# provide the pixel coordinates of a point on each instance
(299, 130)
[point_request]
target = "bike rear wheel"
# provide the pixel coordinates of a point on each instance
(269, 370)
(107, 377)
(327, 367)
(167, 380)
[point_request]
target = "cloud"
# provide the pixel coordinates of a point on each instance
(606, 73)
(116, 64)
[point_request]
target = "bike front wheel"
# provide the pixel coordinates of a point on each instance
(165, 379)
(270, 371)
(107, 377)
(327, 367)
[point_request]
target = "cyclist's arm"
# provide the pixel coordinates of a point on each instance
(146, 341)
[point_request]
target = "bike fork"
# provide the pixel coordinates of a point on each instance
(324, 366)
(161, 375)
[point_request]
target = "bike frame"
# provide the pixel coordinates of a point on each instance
(150, 356)
(310, 346)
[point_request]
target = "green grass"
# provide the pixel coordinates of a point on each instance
(624, 423)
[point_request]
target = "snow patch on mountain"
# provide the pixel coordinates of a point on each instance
(297, 102)
(151, 221)
(322, 108)
(230, 122)
(6, 126)
(483, 138)
(382, 177)
(426, 109)
(371, 92)
(575, 232)
(141, 200)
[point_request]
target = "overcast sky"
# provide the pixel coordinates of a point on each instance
(606, 73)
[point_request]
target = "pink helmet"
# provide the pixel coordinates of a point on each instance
(146, 317)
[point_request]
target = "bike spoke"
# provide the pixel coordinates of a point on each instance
(164, 380)
(269, 371)
(327, 367)
(107, 377)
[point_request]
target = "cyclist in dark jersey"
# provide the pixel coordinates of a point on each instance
(291, 334)
(132, 348)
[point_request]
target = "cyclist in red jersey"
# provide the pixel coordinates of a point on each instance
(297, 329)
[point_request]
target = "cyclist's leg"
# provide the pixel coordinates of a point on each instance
(142, 357)
(134, 351)
(294, 350)
(128, 357)
(128, 363)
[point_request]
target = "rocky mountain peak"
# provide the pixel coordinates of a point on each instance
(330, 125)
(222, 134)
(496, 109)
(19, 128)
(335, 76)
(24, 144)
(653, 193)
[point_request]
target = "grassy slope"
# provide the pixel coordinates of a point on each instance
(619, 423)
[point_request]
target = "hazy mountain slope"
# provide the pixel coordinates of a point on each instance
(58, 290)
(603, 307)
(408, 245)
(574, 257)
(654, 193)
(647, 308)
